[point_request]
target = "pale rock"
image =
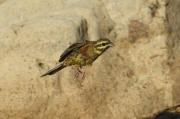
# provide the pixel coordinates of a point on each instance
(136, 79)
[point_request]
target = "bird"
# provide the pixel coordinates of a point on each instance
(81, 54)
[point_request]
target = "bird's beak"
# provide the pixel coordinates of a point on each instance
(110, 44)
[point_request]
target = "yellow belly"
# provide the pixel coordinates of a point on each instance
(78, 60)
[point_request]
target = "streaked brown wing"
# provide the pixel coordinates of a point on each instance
(71, 48)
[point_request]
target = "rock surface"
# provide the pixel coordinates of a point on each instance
(137, 78)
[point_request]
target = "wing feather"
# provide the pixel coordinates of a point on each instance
(70, 49)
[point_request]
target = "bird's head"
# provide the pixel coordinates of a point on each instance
(102, 45)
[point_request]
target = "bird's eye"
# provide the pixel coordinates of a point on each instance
(103, 44)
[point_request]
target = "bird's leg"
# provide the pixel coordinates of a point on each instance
(77, 71)
(83, 74)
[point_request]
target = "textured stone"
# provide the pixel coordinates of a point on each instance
(137, 78)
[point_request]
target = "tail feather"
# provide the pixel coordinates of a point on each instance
(54, 70)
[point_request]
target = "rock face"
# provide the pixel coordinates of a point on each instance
(137, 78)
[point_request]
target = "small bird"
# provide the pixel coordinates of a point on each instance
(81, 54)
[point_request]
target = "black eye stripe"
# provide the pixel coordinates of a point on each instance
(103, 44)
(99, 45)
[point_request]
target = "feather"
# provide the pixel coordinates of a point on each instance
(70, 49)
(54, 70)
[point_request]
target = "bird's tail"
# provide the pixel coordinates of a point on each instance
(54, 70)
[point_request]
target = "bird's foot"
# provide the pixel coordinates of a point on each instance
(79, 70)
(83, 75)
